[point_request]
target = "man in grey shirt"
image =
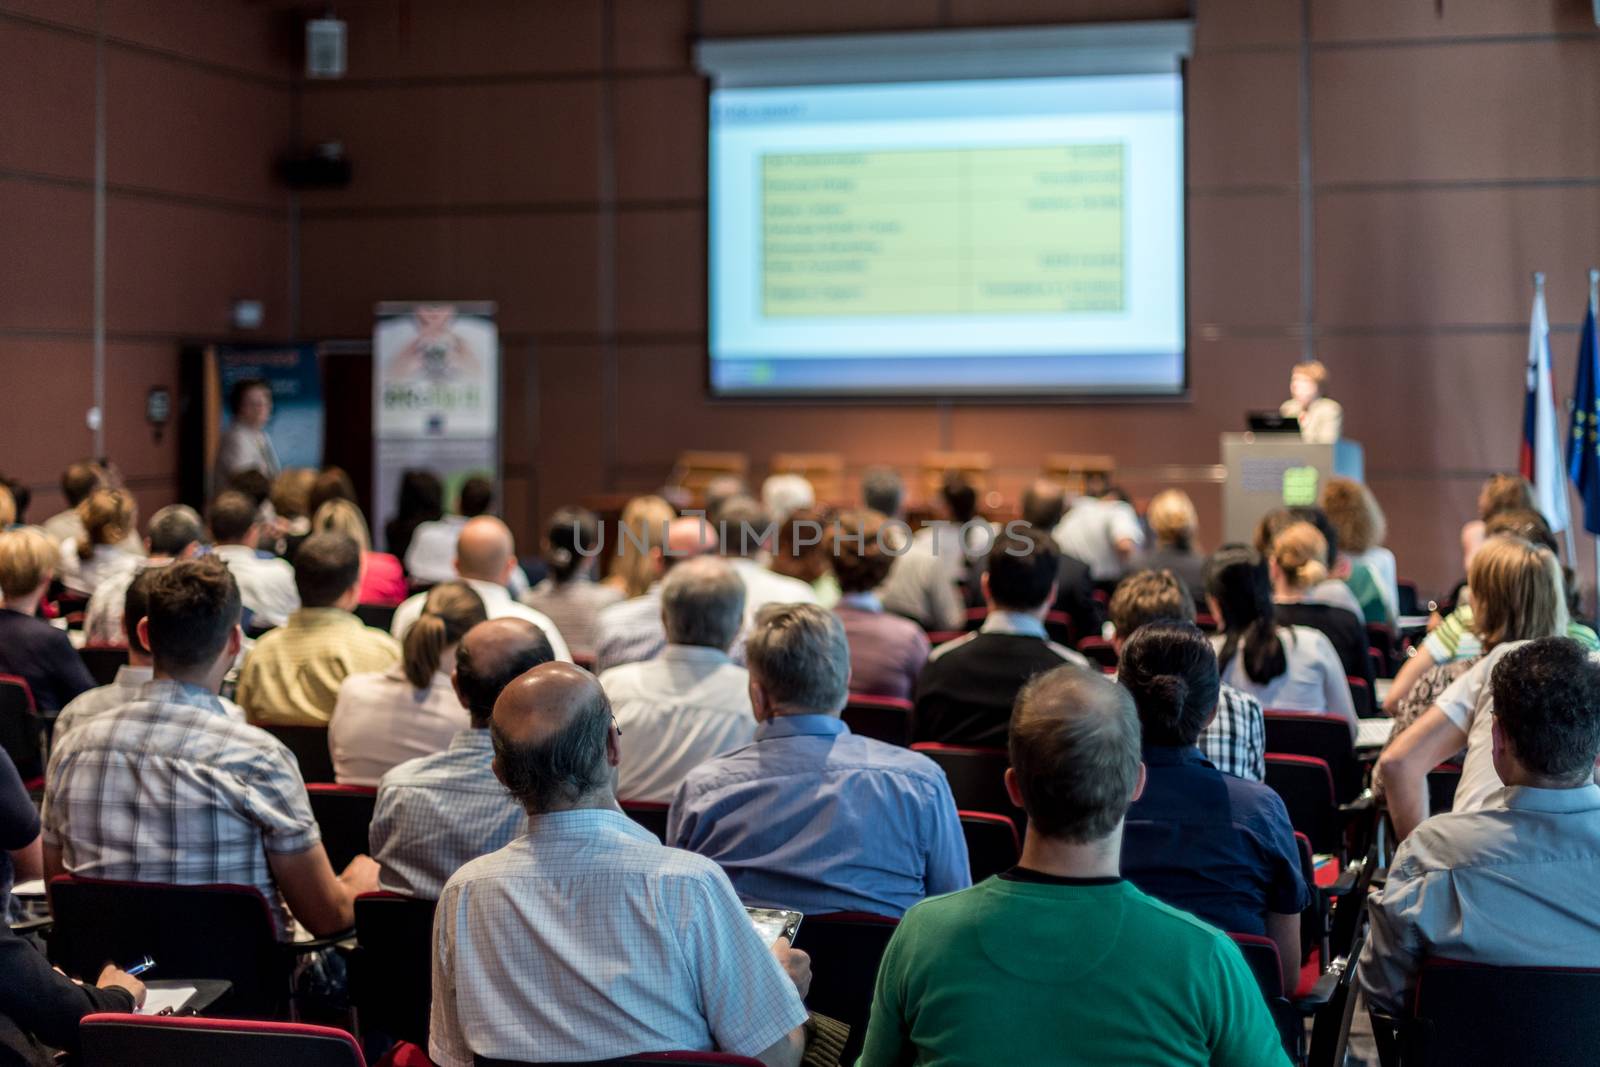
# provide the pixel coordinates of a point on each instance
(1515, 883)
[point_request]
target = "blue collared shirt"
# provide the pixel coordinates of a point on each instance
(1211, 844)
(812, 817)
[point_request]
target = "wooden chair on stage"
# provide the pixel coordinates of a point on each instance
(976, 467)
(824, 470)
(1078, 472)
(695, 470)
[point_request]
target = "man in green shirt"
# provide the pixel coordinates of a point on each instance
(1059, 960)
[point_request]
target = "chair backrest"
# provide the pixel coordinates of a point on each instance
(1327, 737)
(1099, 651)
(344, 814)
(1261, 956)
(650, 814)
(975, 467)
(1058, 627)
(882, 718)
(695, 470)
(1361, 696)
(992, 843)
(378, 616)
(1306, 786)
(103, 662)
(845, 951)
(20, 727)
(310, 747)
(977, 777)
(115, 1040)
(1465, 1014)
(191, 931)
(1443, 781)
(391, 968)
(1410, 599)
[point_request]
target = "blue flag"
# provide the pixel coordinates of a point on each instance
(1583, 448)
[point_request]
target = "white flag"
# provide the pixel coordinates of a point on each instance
(1541, 435)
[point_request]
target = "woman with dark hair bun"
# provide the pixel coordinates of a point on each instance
(569, 595)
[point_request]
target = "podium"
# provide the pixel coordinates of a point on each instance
(1271, 470)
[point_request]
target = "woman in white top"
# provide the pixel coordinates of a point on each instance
(109, 516)
(1292, 668)
(385, 718)
(570, 595)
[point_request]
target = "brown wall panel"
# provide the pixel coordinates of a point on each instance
(661, 271)
(47, 84)
(1019, 12)
(47, 273)
(247, 38)
(1243, 119)
(733, 18)
(571, 420)
(661, 138)
(47, 432)
(1244, 260)
(1365, 20)
(1452, 256)
(77, 14)
(399, 40)
(131, 370)
(1457, 112)
(1246, 24)
(540, 269)
(348, 265)
(653, 34)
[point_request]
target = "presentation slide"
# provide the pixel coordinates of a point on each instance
(955, 238)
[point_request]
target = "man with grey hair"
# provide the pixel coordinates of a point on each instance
(661, 955)
(1064, 921)
(176, 532)
(691, 702)
(810, 816)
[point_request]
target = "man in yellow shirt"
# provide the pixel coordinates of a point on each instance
(292, 677)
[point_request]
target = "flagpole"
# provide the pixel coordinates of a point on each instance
(1571, 543)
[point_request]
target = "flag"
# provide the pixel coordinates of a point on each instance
(1583, 447)
(1541, 441)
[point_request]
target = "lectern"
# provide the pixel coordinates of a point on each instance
(1270, 470)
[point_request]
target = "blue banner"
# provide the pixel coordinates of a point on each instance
(296, 381)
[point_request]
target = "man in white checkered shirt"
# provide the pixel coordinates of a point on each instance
(586, 939)
(1235, 740)
(169, 789)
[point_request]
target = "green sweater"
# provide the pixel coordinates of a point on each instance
(1027, 974)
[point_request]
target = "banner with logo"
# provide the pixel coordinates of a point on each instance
(435, 396)
(296, 380)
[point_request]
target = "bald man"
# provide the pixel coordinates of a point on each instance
(586, 939)
(436, 812)
(486, 558)
(632, 631)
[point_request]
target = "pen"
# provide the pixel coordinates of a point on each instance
(140, 967)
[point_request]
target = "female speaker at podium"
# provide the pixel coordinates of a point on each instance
(1321, 419)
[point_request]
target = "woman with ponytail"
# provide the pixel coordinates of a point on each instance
(569, 595)
(108, 516)
(1219, 847)
(1298, 565)
(385, 718)
(1291, 668)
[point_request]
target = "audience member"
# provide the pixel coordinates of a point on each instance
(635, 566)
(1510, 882)
(21, 853)
(8, 507)
(131, 676)
(1234, 740)
(1328, 590)
(387, 717)
(1521, 599)
(31, 648)
(1294, 668)
(175, 533)
(810, 816)
(486, 558)
(719, 490)
(169, 789)
(1210, 843)
(1104, 532)
(690, 702)
(631, 630)
(333, 483)
(965, 693)
(245, 444)
(1297, 565)
(784, 494)
(1173, 525)
(432, 553)
(40, 1007)
(569, 596)
(887, 652)
(266, 586)
(800, 551)
(77, 482)
(21, 497)
(421, 500)
(1500, 492)
(1321, 419)
(434, 813)
(926, 579)
(258, 487)
(292, 676)
(109, 517)
(1355, 514)
(745, 536)
(882, 491)
(1059, 959)
(684, 967)
(383, 580)
(291, 502)
(1043, 504)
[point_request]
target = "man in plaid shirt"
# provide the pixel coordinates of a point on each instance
(1235, 741)
(169, 789)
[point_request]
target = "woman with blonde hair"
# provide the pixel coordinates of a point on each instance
(108, 516)
(634, 568)
(385, 718)
(8, 509)
(30, 647)
(1500, 492)
(1517, 595)
(383, 579)
(1173, 525)
(1361, 526)
(1298, 565)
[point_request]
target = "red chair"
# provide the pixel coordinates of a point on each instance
(1306, 786)
(112, 1040)
(845, 951)
(1361, 696)
(1099, 651)
(310, 747)
(1058, 624)
(650, 814)
(344, 814)
(992, 843)
(104, 661)
(22, 730)
(882, 718)
(1327, 737)
(976, 776)
(377, 616)
(391, 965)
(1329, 1003)
(1443, 781)
(975, 618)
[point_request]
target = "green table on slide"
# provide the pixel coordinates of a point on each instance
(961, 231)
